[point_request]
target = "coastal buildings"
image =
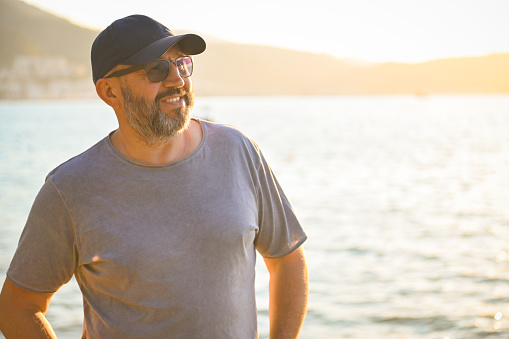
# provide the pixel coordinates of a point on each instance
(45, 77)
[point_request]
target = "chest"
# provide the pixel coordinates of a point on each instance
(149, 222)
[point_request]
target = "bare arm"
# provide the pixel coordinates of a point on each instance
(288, 294)
(22, 313)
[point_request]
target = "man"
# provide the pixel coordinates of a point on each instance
(159, 221)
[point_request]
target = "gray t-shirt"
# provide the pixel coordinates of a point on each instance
(159, 251)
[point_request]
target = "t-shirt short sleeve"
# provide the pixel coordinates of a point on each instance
(45, 257)
(280, 232)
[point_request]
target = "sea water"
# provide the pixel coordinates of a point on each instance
(405, 200)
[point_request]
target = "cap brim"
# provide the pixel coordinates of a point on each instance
(191, 44)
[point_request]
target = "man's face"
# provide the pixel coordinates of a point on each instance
(147, 119)
(158, 112)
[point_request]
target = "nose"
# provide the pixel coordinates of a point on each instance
(173, 79)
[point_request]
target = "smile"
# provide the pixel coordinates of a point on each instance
(172, 99)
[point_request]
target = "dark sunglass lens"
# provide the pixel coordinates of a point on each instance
(158, 70)
(185, 66)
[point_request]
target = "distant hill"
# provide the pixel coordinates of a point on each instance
(260, 70)
(235, 69)
(27, 30)
(36, 42)
(468, 75)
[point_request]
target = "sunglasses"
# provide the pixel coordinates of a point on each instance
(159, 69)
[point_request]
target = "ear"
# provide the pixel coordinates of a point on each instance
(109, 91)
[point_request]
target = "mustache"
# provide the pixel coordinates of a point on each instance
(171, 91)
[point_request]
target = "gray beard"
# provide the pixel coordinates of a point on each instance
(151, 124)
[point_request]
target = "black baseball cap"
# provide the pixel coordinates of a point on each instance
(135, 40)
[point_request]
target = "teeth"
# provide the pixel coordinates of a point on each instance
(172, 100)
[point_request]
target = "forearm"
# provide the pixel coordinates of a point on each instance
(288, 290)
(26, 324)
(22, 313)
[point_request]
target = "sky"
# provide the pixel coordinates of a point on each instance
(368, 30)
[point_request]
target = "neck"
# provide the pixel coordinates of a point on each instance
(127, 143)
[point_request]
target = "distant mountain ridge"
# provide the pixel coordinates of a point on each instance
(27, 30)
(228, 68)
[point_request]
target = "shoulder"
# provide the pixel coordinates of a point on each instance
(232, 146)
(214, 128)
(228, 136)
(81, 164)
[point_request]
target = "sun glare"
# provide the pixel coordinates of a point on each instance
(371, 30)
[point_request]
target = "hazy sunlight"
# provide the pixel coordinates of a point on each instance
(372, 30)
